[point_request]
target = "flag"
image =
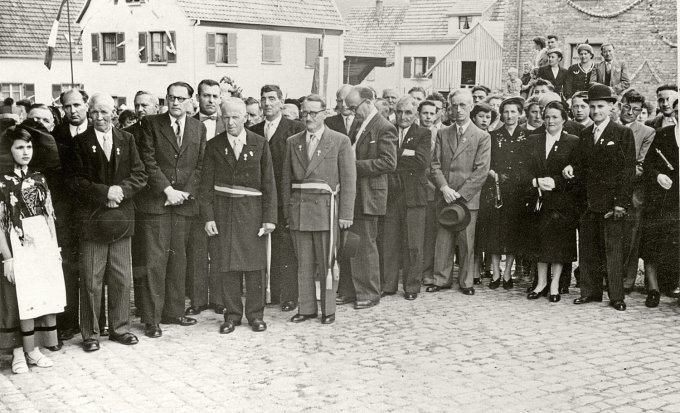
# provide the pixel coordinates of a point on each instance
(52, 41)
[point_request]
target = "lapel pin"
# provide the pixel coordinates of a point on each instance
(94, 149)
(318, 153)
(226, 151)
(251, 153)
(299, 147)
(118, 151)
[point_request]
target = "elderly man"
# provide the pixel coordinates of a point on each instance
(319, 166)
(105, 171)
(459, 168)
(418, 93)
(290, 111)
(665, 95)
(344, 121)
(172, 151)
(610, 72)
(391, 96)
(254, 112)
(404, 222)
(376, 156)
(238, 206)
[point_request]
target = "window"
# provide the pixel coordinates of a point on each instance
(468, 73)
(221, 48)
(271, 48)
(464, 22)
(17, 91)
(108, 47)
(157, 47)
(63, 87)
(417, 66)
(312, 47)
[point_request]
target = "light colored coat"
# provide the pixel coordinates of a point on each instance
(619, 80)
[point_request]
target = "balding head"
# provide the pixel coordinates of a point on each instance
(340, 95)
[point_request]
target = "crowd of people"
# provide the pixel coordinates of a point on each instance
(266, 197)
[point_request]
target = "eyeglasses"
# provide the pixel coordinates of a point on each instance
(313, 114)
(354, 108)
(628, 108)
(180, 99)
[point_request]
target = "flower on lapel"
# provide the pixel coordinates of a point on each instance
(226, 151)
(318, 152)
(13, 199)
(94, 149)
(245, 156)
(251, 153)
(299, 147)
(118, 151)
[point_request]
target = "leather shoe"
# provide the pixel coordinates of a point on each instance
(363, 304)
(257, 325)
(468, 291)
(104, 332)
(410, 296)
(386, 294)
(56, 348)
(586, 300)
(328, 319)
(554, 298)
(653, 298)
(298, 318)
(90, 345)
(477, 281)
(509, 284)
(181, 320)
(563, 290)
(618, 305)
(67, 334)
(288, 306)
(220, 309)
(436, 288)
(229, 326)
(195, 310)
(493, 284)
(342, 300)
(153, 330)
(128, 339)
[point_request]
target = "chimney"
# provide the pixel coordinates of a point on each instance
(378, 8)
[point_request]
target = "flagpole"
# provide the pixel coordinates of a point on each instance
(70, 46)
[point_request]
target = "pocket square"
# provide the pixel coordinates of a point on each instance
(610, 143)
(408, 152)
(371, 142)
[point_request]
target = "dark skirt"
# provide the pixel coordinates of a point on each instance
(659, 242)
(504, 229)
(554, 236)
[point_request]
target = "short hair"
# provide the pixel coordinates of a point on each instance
(482, 88)
(252, 101)
(206, 82)
(633, 96)
(532, 101)
(365, 92)
(539, 40)
(418, 89)
(83, 94)
(407, 99)
(580, 95)
(181, 84)
(272, 88)
(126, 115)
(292, 102)
(388, 89)
(552, 36)
(15, 133)
(8, 102)
(465, 93)
(542, 82)
(101, 97)
(606, 44)
(559, 106)
(489, 98)
(426, 103)
(231, 100)
(436, 96)
(154, 98)
(666, 87)
(316, 98)
(485, 108)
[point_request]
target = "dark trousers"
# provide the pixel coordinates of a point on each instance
(360, 275)
(311, 249)
(633, 253)
(429, 242)
(109, 264)
(231, 294)
(165, 243)
(138, 264)
(603, 245)
(283, 279)
(403, 231)
(67, 235)
(203, 286)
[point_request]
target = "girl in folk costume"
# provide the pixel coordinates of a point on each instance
(32, 285)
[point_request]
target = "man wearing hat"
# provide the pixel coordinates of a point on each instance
(610, 72)
(459, 168)
(105, 171)
(605, 163)
(554, 72)
(319, 187)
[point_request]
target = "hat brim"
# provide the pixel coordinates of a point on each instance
(458, 225)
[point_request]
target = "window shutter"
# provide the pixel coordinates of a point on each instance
(172, 57)
(277, 48)
(311, 51)
(142, 47)
(231, 45)
(95, 47)
(210, 47)
(120, 50)
(266, 48)
(430, 62)
(407, 68)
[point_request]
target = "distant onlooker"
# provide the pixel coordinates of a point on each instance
(579, 75)
(126, 118)
(439, 101)
(554, 72)
(479, 93)
(542, 86)
(291, 111)
(647, 109)
(254, 112)
(533, 114)
(495, 102)
(610, 72)
(580, 109)
(41, 113)
(513, 86)
(665, 96)
(552, 41)
(417, 93)
(383, 108)
(540, 56)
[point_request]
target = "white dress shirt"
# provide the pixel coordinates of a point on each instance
(76, 130)
(210, 126)
(402, 135)
(182, 122)
(311, 146)
(237, 142)
(550, 141)
(597, 131)
(271, 126)
(105, 140)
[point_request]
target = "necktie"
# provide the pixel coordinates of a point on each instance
(107, 147)
(348, 124)
(206, 117)
(237, 148)
(311, 146)
(268, 130)
(178, 133)
(401, 137)
(596, 133)
(459, 133)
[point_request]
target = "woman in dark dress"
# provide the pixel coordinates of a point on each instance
(659, 244)
(554, 202)
(506, 234)
(579, 75)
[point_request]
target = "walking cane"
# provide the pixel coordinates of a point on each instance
(268, 294)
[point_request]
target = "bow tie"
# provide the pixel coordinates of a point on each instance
(206, 117)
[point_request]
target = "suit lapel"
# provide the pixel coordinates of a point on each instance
(299, 149)
(97, 154)
(116, 149)
(321, 150)
(227, 152)
(366, 132)
(166, 130)
(189, 133)
(464, 141)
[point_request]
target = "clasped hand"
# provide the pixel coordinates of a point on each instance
(546, 184)
(664, 181)
(175, 197)
(450, 195)
(115, 196)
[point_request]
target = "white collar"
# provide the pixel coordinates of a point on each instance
(240, 138)
(554, 137)
(75, 128)
(181, 119)
(319, 133)
(405, 129)
(102, 135)
(275, 122)
(464, 126)
(602, 125)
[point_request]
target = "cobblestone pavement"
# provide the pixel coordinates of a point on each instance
(444, 352)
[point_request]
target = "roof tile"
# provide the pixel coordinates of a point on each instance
(370, 35)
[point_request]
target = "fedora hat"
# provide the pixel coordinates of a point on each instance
(348, 244)
(454, 217)
(601, 92)
(108, 225)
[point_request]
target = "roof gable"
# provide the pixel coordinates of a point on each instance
(469, 7)
(371, 35)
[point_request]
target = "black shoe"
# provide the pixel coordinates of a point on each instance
(563, 290)
(152, 330)
(618, 305)
(493, 284)
(468, 291)
(90, 345)
(386, 294)
(67, 333)
(288, 306)
(653, 298)
(104, 332)
(361, 305)
(533, 295)
(58, 347)
(220, 309)
(554, 298)
(342, 300)
(298, 318)
(436, 288)
(195, 310)
(410, 296)
(128, 339)
(586, 300)
(477, 281)
(509, 284)
(181, 320)
(675, 293)
(328, 319)
(229, 326)
(258, 325)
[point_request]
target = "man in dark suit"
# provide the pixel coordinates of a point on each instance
(277, 129)
(105, 171)
(376, 156)
(172, 151)
(459, 168)
(344, 121)
(605, 162)
(319, 167)
(554, 72)
(428, 111)
(204, 288)
(404, 224)
(610, 72)
(665, 95)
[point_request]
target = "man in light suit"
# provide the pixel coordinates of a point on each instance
(459, 168)
(404, 224)
(105, 171)
(319, 157)
(344, 121)
(610, 72)
(172, 151)
(376, 156)
(204, 289)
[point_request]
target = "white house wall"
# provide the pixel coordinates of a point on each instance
(417, 50)
(33, 71)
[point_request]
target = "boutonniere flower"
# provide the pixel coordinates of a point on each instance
(118, 151)
(318, 153)
(251, 153)
(245, 156)
(226, 151)
(299, 147)
(94, 149)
